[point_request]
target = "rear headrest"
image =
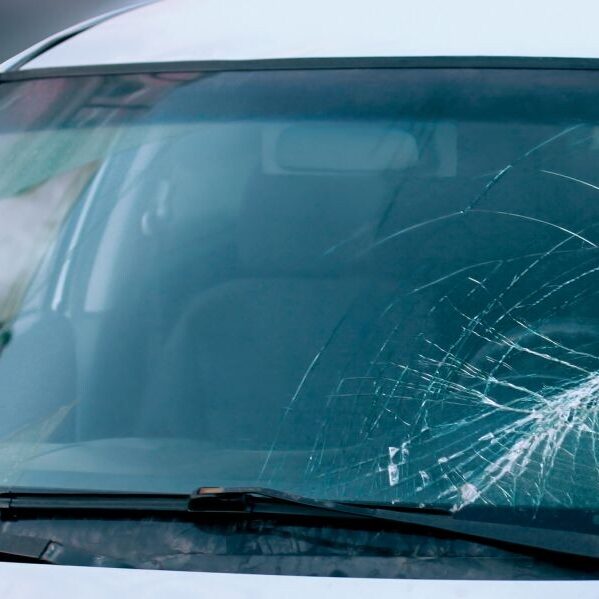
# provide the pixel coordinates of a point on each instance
(309, 223)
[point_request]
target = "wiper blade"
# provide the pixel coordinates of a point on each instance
(530, 539)
(20, 548)
(82, 501)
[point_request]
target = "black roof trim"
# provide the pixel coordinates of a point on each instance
(439, 62)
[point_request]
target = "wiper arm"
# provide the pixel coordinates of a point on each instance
(20, 548)
(531, 539)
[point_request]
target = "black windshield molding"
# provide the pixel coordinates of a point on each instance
(286, 64)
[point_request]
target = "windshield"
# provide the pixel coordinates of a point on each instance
(369, 285)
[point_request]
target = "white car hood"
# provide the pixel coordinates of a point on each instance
(66, 582)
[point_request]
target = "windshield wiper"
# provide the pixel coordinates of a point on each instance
(248, 501)
(532, 539)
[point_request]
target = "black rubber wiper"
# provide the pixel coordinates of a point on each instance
(78, 502)
(19, 548)
(521, 538)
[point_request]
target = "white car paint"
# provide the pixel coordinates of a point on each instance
(177, 30)
(25, 581)
(180, 30)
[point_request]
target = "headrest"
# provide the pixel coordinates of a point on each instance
(309, 223)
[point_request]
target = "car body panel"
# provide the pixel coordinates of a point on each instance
(28, 580)
(188, 30)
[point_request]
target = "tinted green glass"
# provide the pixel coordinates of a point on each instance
(374, 285)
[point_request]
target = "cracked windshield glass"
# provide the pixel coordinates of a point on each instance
(366, 285)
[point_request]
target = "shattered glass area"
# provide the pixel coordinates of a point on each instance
(507, 413)
(480, 384)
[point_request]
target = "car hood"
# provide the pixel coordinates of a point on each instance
(66, 582)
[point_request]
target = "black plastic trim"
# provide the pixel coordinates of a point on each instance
(417, 62)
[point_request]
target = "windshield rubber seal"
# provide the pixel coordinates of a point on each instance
(286, 64)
